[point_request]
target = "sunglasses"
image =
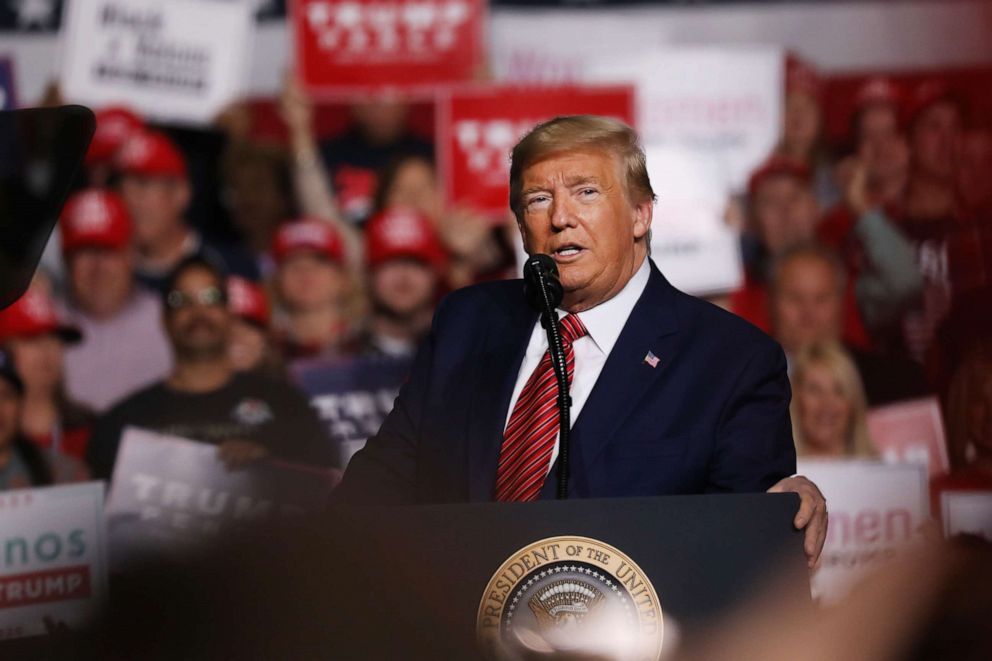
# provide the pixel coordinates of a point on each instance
(210, 296)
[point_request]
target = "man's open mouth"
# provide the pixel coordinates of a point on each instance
(567, 252)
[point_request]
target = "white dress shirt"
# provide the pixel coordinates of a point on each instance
(604, 323)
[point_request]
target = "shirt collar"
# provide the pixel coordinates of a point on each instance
(605, 321)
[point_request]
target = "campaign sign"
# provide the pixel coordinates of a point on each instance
(967, 513)
(53, 562)
(343, 45)
(910, 431)
(172, 495)
(352, 395)
(180, 61)
(875, 509)
(8, 93)
(477, 126)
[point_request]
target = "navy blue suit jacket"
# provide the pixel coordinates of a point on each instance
(712, 416)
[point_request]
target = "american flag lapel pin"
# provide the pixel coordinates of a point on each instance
(652, 359)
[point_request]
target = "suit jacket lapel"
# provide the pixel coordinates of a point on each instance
(626, 376)
(497, 369)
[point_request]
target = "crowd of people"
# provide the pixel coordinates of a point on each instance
(191, 268)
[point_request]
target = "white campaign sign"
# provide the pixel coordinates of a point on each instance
(967, 512)
(707, 117)
(52, 557)
(875, 509)
(171, 60)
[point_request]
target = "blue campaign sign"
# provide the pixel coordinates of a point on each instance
(8, 94)
(351, 395)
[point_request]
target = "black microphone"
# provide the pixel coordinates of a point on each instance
(544, 292)
(541, 284)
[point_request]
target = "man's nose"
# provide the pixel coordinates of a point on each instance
(562, 213)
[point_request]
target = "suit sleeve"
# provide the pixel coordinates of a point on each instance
(384, 471)
(753, 445)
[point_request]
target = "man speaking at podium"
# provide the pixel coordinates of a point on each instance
(670, 394)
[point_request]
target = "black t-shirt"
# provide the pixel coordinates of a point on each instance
(250, 407)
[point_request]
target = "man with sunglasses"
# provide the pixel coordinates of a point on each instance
(248, 416)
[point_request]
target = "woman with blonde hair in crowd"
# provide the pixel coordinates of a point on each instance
(828, 404)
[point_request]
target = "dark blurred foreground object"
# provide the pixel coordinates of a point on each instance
(40, 151)
(407, 582)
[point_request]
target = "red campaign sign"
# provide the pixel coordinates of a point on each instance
(478, 126)
(47, 586)
(344, 45)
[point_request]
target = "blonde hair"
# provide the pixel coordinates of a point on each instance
(970, 378)
(577, 132)
(833, 356)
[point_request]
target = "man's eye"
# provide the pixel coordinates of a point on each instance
(588, 192)
(537, 200)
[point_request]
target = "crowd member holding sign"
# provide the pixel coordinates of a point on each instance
(35, 336)
(155, 186)
(119, 319)
(671, 394)
(23, 463)
(247, 415)
(828, 404)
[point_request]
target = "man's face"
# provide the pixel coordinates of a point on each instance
(576, 208)
(784, 212)
(881, 146)
(403, 287)
(100, 279)
(310, 281)
(156, 205)
(39, 360)
(807, 305)
(247, 345)
(197, 319)
(415, 187)
(935, 140)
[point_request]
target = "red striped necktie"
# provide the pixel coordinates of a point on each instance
(529, 438)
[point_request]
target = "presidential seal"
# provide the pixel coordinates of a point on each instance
(572, 594)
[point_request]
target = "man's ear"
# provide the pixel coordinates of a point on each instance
(643, 214)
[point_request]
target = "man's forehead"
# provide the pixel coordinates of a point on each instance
(197, 277)
(574, 164)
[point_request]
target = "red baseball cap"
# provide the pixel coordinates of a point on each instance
(777, 165)
(95, 218)
(926, 94)
(33, 314)
(247, 299)
(400, 232)
(307, 234)
(800, 76)
(114, 126)
(151, 154)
